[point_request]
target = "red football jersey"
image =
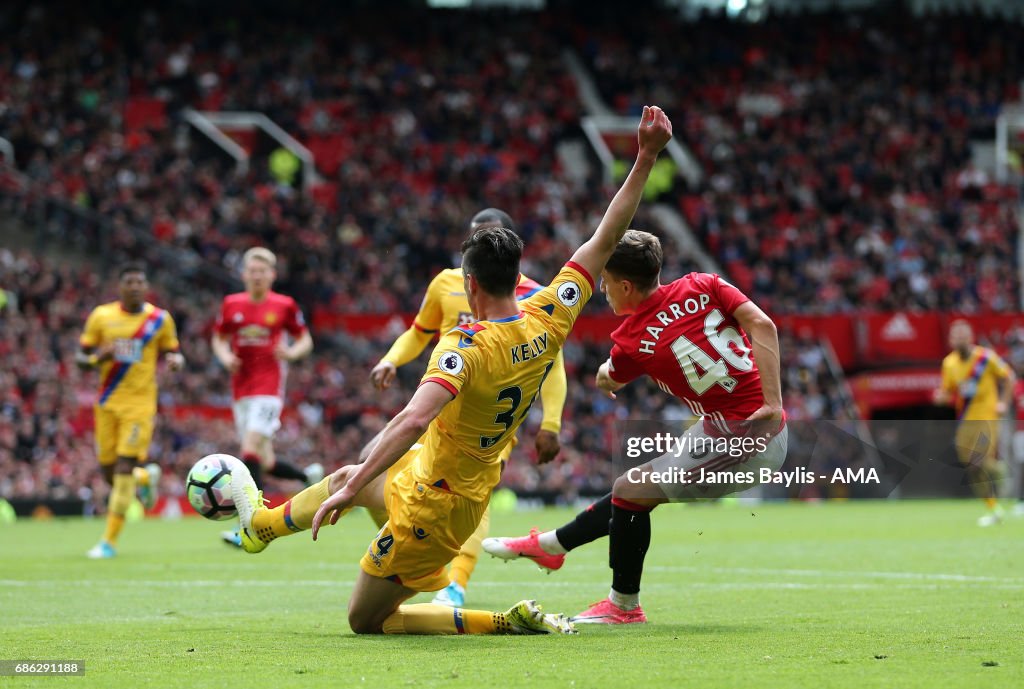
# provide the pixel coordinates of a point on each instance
(255, 329)
(684, 336)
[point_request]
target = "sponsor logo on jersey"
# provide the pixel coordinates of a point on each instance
(128, 350)
(253, 331)
(568, 293)
(253, 336)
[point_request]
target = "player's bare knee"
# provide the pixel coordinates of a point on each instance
(640, 493)
(627, 488)
(363, 621)
(257, 444)
(362, 626)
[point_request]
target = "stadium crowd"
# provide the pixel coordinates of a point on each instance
(837, 149)
(412, 128)
(838, 178)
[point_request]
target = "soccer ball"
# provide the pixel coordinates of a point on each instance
(209, 486)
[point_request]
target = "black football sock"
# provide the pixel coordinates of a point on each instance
(287, 471)
(252, 463)
(629, 538)
(589, 525)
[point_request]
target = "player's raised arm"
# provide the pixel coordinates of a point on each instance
(654, 133)
(395, 441)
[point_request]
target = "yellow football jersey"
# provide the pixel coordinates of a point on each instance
(446, 306)
(973, 383)
(495, 370)
(128, 378)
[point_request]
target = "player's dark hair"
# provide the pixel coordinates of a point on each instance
(637, 258)
(491, 255)
(130, 268)
(491, 217)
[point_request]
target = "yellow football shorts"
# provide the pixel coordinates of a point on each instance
(426, 528)
(977, 442)
(122, 432)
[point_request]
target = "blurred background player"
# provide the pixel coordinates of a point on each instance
(444, 308)
(691, 337)
(124, 339)
(247, 340)
(979, 385)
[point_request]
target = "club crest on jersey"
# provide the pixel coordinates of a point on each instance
(568, 293)
(451, 363)
(270, 318)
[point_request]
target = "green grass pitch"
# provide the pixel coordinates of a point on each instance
(898, 594)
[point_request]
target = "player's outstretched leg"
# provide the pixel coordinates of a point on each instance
(259, 526)
(376, 608)
(525, 617)
(548, 549)
(311, 475)
(454, 595)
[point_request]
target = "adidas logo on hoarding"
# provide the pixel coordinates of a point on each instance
(898, 328)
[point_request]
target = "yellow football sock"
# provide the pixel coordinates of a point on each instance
(115, 522)
(427, 618)
(991, 503)
(121, 496)
(293, 516)
(465, 562)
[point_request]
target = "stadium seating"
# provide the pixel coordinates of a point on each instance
(835, 182)
(837, 150)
